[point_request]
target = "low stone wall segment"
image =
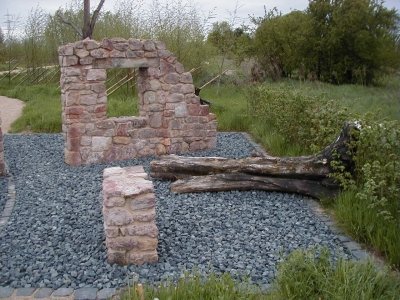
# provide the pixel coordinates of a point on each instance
(171, 118)
(129, 216)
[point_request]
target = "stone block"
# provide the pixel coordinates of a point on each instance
(130, 228)
(24, 292)
(117, 53)
(91, 44)
(155, 120)
(144, 215)
(172, 78)
(85, 293)
(187, 89)
(116, 257)
(135, 54)
(179, 68)
(99, 53)
(81, 53)
(139, 258)
(181, 110)
(186, 77)
(43, 293)
(101, 143)
(66, 50)
(175, 97)
(146, 201)
(160, 45)
(70, 60)
(113, 201)
(149, 45)
(135, 44)
(130, 62)
(96, 75)
(63, 292)
(72, 158)
(124, 140)
(106, 293)
(144, 229)
(121, 46)
(160, 149)
(117, 216)
(71, 71)
(105, 124)
(88, 60)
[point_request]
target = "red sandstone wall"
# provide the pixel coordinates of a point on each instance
(171, 118)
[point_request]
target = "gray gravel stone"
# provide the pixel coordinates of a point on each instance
(56, 230)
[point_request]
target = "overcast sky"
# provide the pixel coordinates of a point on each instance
(222, 8)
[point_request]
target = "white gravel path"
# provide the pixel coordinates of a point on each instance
(10, 110)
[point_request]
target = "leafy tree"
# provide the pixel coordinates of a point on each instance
(280, 40)
(341, 41)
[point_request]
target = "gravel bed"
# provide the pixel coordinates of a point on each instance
(3, 192)
(55, 236)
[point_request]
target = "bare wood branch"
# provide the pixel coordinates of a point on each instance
(216, 77)
(95, 16)
(65, 21)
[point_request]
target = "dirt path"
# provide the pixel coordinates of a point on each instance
(10, 110)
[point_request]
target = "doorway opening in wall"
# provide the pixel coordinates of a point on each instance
(122, 95)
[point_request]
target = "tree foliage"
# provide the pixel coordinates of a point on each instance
(340, 41)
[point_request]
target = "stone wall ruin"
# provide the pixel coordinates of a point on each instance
(171, 118)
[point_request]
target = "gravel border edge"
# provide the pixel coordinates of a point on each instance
(9, 206)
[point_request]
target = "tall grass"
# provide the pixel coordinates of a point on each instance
(312, 275)
(366, 225)
(195, 286)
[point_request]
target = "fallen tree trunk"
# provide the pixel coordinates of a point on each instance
(307, 175)
(244, 182)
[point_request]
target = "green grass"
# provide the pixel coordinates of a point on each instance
(194, 286)
(42, 111)
(302, 275)
(312, 275)
(366, 225)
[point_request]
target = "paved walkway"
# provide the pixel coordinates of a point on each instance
(10, 110)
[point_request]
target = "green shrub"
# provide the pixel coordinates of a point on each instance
(370, 207)
(308, 121)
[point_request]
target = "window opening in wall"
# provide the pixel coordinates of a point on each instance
(122, 95)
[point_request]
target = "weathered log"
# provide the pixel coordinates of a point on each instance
(303, 167)
(307, 175)
(244, 182)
